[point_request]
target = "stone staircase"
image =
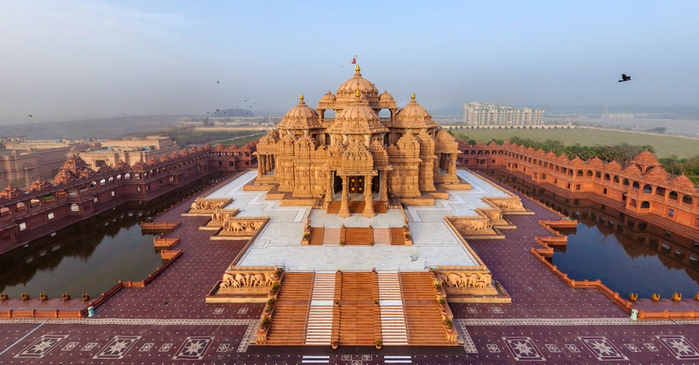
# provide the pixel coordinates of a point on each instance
(359, 236)
(288, 325)
(393, 324)
(422, 311)
(320, 312)
(331, 236)
(358, 316)
(382, 236)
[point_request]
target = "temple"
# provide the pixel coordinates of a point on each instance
(357, 154)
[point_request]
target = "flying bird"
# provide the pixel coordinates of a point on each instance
(29, 116)
(624, 78)
(217, 82)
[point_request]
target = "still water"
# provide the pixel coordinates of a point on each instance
(628, 255)
(90, 256)
(625, 266)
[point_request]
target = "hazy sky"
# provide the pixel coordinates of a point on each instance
(75, 58)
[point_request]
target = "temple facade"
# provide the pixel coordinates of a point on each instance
(357, 154)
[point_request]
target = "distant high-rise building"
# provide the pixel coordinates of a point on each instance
(481, 114)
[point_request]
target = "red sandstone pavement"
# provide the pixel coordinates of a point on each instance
(168, 321)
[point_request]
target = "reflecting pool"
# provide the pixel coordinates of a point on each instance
(90, 256)
(628, 254)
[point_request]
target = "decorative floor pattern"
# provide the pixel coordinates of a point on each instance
(117, 347)
(39, 348)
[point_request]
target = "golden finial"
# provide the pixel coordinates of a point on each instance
(412, 97)
(301, 97)
(356, 68)
(357, 94)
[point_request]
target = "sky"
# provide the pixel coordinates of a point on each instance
(82, 59)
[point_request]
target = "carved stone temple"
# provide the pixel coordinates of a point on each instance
(357, 154)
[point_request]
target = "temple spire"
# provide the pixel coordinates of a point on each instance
(356, 71)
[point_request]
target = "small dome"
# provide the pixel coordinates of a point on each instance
(413, 115)
(646, 158)
(328, 98)
(301, 116)
(385, 97)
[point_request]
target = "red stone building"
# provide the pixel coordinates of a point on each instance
(78, 192)
(643, 188)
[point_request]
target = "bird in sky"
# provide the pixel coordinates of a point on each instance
(29, 116)
(624, 78)
(216, 109)
(207, 112)
(217, 82)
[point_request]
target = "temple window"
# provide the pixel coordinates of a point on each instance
(645, 205)
(95, 200)
(4, 211)
(670, 213)
(647, 189)
(22, 226)
(74, 208)
(687, 199)
(616, 179)
(598, 175)
(577, 186)
(580, 173)
(50, 215)
(606, 177)
(626, 182)
(635, 185)
(127, 176)
(113, 193)
(589, 173)
(673, 195)
(20, 206)
(137, 176)
(111, 179)
(103, 182)
(605, 191)
(660, 191)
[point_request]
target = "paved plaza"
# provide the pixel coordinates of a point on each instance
(168, 322)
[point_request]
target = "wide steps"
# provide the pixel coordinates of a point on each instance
(359, 236)
(397, 236)
(331, 236)
(382, 236)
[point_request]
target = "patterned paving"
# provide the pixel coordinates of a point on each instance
(168, 321)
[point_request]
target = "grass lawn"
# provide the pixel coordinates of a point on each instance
(665, 145)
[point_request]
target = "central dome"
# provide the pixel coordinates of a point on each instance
(357, 83)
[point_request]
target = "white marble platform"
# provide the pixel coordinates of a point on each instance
(434, 243)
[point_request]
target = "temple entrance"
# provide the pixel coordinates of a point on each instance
(356, 184)
(337, 183)
(375, 184)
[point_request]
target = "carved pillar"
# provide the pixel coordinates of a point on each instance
(344, 208)
(328, 189)
(383, 187)
(368, 201)
(260, 166)
(452, 164)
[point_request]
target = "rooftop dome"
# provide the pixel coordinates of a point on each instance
(385, 96)
(357, 83)
(329, 97)
(301, 116)
(357, 118)
(413, 115)
(646, 158)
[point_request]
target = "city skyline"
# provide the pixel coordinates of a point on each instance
(96, 59)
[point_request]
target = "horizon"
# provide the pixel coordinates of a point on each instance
(84, 60)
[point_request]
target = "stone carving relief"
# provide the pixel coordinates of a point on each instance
(248, 279)
(465, 280)
(202, 205)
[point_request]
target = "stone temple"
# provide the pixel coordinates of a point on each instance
(357, 153)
